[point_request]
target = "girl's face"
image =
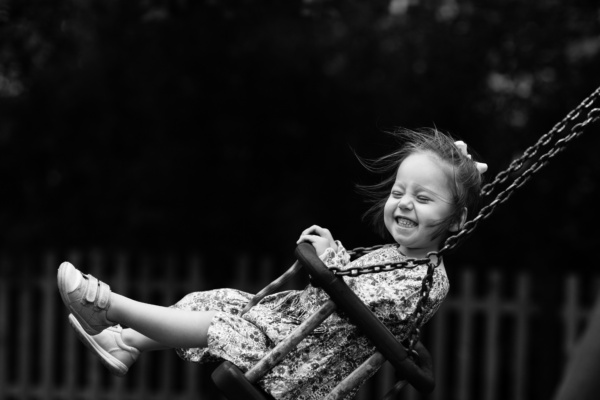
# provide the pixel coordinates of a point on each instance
(420, 199)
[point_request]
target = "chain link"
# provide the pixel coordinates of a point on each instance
(373, 269)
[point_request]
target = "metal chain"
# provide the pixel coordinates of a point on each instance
(433, 259)
(584, 108)
(374, 269)
(418, 314)
(543, 141)
(591, 115)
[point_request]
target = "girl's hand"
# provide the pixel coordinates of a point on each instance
(320, 238)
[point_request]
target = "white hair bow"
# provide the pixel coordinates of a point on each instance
(462, 146)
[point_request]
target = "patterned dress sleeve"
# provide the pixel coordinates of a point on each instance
(335, 259)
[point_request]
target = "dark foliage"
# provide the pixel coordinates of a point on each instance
(216, 123)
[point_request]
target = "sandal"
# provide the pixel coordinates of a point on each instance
(86, 298)
(108, 346)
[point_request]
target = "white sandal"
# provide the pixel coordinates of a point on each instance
(86, 297)
(108, 346)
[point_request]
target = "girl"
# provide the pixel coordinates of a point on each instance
(432, 186)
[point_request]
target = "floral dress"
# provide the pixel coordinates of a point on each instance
(336, 347)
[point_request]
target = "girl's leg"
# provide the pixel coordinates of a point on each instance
(96, 308)
(133, 338)
(167, 327)
(96, 313)
(117, 348)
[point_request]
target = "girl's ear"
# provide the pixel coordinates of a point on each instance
(457, 226)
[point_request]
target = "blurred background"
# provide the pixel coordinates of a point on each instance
(181, 145)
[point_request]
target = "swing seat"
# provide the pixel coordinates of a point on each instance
(236, 385)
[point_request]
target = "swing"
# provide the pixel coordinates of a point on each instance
(413, 362)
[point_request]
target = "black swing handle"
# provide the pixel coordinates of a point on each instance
(419, 376)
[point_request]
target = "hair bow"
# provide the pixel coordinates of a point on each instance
(462, 146)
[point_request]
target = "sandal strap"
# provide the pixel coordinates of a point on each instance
(91, 289)
(97, 292)
(103, 295)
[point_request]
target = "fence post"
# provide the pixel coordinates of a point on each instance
(464, 357)
(440, 351)
(524, 309)
(49, 315)
(4, 321)
(492, 313)
(570, 313)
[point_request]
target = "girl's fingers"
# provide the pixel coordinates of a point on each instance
(319, 231)
(308, 238)
(312, 229)
(320, 244)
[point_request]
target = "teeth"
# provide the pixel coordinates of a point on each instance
(405, 222)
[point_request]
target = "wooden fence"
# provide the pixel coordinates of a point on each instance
(483, 338)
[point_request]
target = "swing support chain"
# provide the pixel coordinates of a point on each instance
(584, 112)
(552, 145)
(418, 314)
(585, 109)
(546, 139)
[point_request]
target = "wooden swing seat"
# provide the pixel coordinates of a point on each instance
(236, 385)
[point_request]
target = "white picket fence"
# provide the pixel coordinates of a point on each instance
(481, 333)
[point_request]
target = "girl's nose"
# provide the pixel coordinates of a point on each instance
(405, 203)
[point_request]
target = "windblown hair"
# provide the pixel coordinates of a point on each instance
(464, 178)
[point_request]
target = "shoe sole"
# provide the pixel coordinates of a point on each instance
(115, 366)
(62, 288)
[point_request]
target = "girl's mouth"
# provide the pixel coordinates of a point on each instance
(405, 222)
